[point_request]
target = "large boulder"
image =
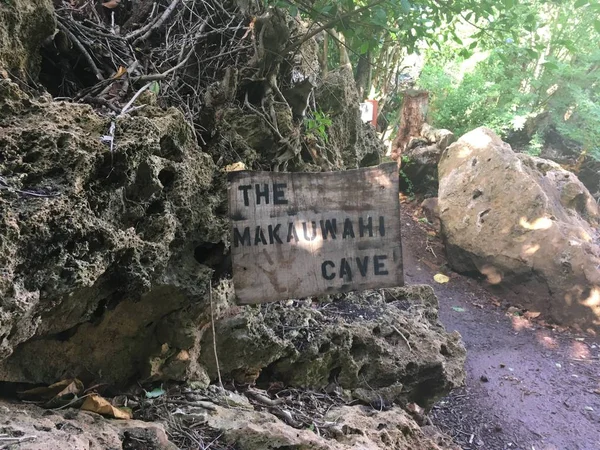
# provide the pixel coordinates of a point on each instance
(387, 347)
(98, 248)
(420, 159)
(523, 222)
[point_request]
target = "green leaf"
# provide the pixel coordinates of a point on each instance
(155, 393)
(550, 65)
(364, 48)
(155, 87)
(379, 17)
(597, 25)
(580, 3)
(405, 5)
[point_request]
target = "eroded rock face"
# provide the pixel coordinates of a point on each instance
(525, 223)
(421, 156)
(356, 428)
(40, 429)
(352, 143)
(96, 248)
(24, 25)
(390, 343)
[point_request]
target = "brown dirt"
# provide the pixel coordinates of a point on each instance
(529, 385)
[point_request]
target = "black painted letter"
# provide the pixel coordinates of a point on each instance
(379, 264)
(278, 194)
(362, 264)
(381, 227)
(245, 188)
(328, 227)
(362, 227)
(264, 194)
(239, 238)
(345, 270)
(273, 234)
(324, 270)
(348, 229)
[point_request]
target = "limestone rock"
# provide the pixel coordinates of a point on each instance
(421, 157)
(97, 248)
(431, 210)
(24, 25)
(78, 430)
(525, 223)
(352, 143)
(355, 428)
(367, 340)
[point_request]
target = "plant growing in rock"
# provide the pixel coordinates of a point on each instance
(317, 123)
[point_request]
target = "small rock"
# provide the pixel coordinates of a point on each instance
(484, 379)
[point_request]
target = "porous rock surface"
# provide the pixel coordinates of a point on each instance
(387, 346)
(523, 222)
(24, 25)
(421, 156)
(33, 428)
(355, 428)
(97, 247)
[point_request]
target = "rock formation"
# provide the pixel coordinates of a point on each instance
(524, 223)
(114, 242)
(421, 156)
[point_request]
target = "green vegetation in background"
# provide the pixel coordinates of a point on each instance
(545, 74)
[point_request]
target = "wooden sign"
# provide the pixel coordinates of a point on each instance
(296, 235)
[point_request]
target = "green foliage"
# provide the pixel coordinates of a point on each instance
(317, 124)
(535, 145)
(410, 187)
(548, 67)
(489, 95)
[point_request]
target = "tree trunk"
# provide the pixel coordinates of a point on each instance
(412, 117)
(363, 69)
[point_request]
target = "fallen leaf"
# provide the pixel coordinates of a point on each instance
(531, 314)
(235, 167)
(458, 309)
(155, 393)
(69, 387)
(441, 278)
(111, 4)
(100, 405)
(120, 72)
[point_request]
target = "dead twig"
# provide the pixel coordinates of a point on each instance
(214, 336)
(403, 337)
(82, 49)
(146, 31)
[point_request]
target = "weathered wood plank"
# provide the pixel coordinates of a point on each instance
(296, 235)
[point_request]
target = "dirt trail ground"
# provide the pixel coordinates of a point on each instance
(528, 386)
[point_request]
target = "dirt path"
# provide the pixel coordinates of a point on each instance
(528, 386)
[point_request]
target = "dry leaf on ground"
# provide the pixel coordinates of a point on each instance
(441, 278)
(100, 405)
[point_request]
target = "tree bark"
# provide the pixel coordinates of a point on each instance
(412, 117)
(363, 69)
